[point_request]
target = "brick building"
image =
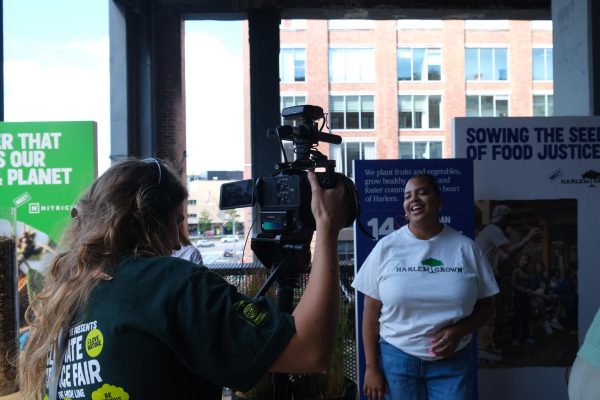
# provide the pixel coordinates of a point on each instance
(392, 87)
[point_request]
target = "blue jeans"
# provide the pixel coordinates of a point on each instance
(410, 378)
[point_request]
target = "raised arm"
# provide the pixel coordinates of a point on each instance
(316, 315)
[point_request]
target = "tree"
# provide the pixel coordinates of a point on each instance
(232, 216)
(204, 222)
(592, 176)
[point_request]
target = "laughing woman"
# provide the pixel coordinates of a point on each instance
(427, 289)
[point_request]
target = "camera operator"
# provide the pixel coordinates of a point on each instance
(119, 318)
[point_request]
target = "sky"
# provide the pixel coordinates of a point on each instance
(56, 68)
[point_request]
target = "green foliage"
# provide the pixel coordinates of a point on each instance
(232, 216)
(204, 222)
(333, 383)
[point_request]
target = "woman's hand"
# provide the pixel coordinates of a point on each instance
(444, 343)
(329, 206)
(374, 387)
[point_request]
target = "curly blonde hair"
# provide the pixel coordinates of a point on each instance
(123, 213)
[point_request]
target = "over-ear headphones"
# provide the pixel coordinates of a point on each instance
(154, 199)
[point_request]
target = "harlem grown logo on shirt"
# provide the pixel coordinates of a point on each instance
(431, 265)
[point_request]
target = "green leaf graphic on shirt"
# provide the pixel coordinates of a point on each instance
(432, 262)
(94, 342)
(110, 392)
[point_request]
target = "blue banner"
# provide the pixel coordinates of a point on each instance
(380, 185)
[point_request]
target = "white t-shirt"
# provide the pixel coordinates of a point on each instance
(190, 253)
(490, 239)
(424, 286)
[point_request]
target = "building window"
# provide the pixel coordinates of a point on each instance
(350, 24)
(419, 111)
(487, 106)
(292, 65)
(352, 112)
(419, 64)
(542, 64)
(192, 216)
(348, 151)
(351, 65)
(486, 64)
(419, 149)
(543, 105)
(192, 202)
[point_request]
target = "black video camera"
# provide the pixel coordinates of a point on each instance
(286, 221)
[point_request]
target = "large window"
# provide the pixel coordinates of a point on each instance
(419, 64)
(419, 111)
(348, 151)
(351, 65)
(292, 65)
(486, 64)
(543, 105)
(487, 106)
(418, 149)
(542, 64)
(352, 112)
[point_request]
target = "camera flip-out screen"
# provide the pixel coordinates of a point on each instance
(237, 194)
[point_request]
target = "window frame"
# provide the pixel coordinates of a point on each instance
(495, 47)
(547, 64)
(496, 96)
(365, 75)
(345, 95)
(426, 63)
(427, 96)
(546, 96)
(283, 67)
(342, 149)
(415, 139)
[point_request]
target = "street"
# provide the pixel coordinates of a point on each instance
(215, 254)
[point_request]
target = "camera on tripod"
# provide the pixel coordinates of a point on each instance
(286, 221)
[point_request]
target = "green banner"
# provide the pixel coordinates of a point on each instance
(44, 168)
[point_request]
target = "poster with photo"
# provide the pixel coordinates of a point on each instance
(380, 187)
(537, 187)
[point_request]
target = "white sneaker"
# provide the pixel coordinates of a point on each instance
(548, 328)
(488, 356)
(555, 324)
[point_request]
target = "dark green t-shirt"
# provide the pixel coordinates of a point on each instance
(165, 328)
